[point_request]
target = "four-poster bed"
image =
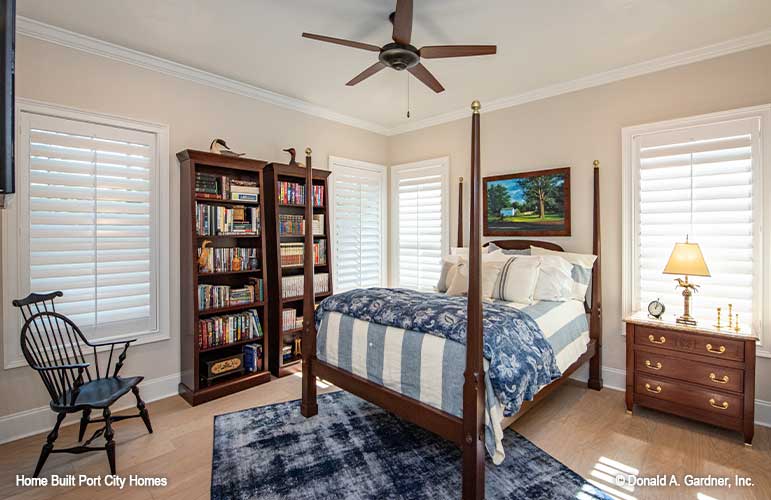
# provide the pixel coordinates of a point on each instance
(467, 430)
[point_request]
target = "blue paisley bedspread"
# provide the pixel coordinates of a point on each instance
(521, 360)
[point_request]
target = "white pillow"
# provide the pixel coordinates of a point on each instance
(517, 279)
(491, 268)
(554, 281)
(447, 264)
(463, 251)
(580, 269)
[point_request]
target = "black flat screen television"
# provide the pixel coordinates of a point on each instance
(7, 62)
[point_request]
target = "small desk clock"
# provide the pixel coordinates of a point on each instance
(656, 309)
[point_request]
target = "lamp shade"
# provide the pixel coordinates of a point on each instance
(686, 260)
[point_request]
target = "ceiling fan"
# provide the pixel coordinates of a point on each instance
(401, 55)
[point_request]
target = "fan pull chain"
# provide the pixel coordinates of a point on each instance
(408, 95)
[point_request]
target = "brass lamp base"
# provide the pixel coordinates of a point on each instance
(686, 320)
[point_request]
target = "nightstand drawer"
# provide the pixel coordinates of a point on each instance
(675, 340)
(717, 377)
(684, 394)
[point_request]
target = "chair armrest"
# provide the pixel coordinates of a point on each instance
(116, 342)
(79, 366)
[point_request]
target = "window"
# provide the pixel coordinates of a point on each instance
(87, 221)
(700, 178)
(359, 215)
(420, 193)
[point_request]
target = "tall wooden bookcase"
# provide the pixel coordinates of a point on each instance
(194, 386)
(280, 337)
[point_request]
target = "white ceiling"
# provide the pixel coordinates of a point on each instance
(540, 42)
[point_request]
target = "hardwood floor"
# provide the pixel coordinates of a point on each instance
(586, 430)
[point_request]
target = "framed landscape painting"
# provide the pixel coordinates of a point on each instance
(528, 204)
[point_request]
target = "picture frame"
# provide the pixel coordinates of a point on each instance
(535, 203)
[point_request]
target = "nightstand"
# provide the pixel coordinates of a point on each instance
(696, 372)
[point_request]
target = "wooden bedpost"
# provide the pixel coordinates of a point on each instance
(459, 243)
(308, 406)
(595, 320)
(474, 384)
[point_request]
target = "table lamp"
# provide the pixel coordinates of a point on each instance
(686, 259)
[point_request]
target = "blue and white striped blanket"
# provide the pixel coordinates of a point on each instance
(429, 367)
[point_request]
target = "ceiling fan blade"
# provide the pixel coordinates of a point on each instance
(366, 73)
(403, 22)
(439, 51)
(421, 73)
(341, 41)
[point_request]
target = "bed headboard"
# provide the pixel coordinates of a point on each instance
(524, 245)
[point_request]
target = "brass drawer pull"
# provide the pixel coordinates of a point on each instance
(661, 339)
(723, 380)
(650, 365)
(655, 391)
(720, 350)
(721, 406)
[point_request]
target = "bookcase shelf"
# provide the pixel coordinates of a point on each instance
(195, 357)
(222, 310)
(275, 173)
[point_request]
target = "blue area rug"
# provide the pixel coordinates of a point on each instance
(353, 449)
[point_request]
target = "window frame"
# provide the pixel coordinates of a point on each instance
(441, 163)
(381, 170)
(15, 283)
(761, 188)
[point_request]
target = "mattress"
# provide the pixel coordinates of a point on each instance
(430, 368)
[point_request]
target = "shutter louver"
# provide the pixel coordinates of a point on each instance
(358, 228)
(699, 182)
(90, 231)
(421, 226)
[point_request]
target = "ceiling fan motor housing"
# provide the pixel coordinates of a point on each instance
(398, 56)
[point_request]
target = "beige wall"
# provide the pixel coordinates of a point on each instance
(577, 128)
(195, 114)
(573, 129)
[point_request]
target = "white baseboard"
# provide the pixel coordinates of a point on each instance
(30, 422)
(615, 379)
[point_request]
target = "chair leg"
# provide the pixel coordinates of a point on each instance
(49, 446)
(142, 410)
(84, 420)
(108, 435)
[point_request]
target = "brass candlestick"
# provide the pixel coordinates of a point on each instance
(730, 316)
(718, 325)
(736, 327)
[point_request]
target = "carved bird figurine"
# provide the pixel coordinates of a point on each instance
(203, 259)
(220, 147)
(293, 154)
(686, 285)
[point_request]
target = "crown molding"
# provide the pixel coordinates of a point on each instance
(53, 34)
(643, 68)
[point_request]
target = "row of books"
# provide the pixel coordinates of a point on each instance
(221, 330)
(220, 260)
(212, 220)
(293, 193)
(292, 254)
(289, 352)
(293, 286)
(290, 320)
(222, 187)
(291, 225)
(217, 296)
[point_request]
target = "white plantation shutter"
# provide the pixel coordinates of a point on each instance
(92, 233)
(421, 220)
(359, 224)
(701, 181)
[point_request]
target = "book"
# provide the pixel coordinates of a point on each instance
(227, 329)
